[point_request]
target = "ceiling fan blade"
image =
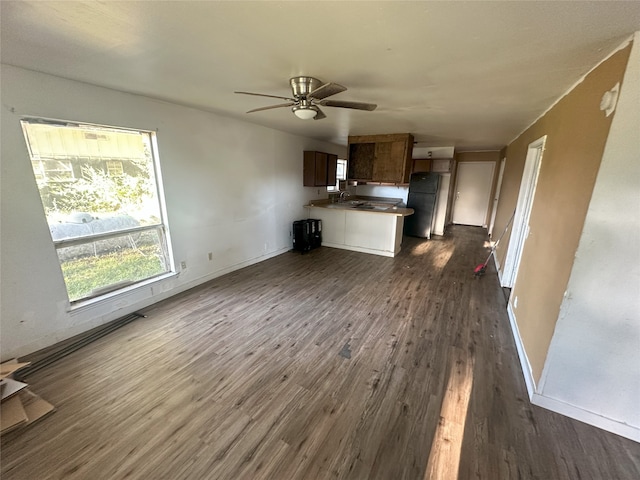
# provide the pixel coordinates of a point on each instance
(272, 106)
(326, 90)
(320, 115)
(354, 105)
(269, 96)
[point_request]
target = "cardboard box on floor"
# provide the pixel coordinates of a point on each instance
(19, 406)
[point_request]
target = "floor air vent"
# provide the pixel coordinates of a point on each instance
(72, 346)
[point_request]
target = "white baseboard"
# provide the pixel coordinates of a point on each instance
(524, 360)
(577, 413)
(497, 264)
(235, 266)
(384, 253)
(119, 305)
(587, 417)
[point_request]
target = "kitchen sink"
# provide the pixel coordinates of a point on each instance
(339, 205)
(347, 204)
(360, 205)
(378, 207)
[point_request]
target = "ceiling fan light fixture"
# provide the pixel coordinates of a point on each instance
(309, 94)
(305, 112)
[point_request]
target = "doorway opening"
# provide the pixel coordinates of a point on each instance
(521, 227)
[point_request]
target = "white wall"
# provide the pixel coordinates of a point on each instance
(436, 152)
(386, 191)
(232, 188)
(592, 371)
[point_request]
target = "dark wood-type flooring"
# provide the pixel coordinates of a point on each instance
(329, 365)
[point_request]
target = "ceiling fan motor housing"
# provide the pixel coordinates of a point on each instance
(302, 86)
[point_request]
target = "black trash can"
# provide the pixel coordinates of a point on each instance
(316, 232)
(302, 235)
(307, 234)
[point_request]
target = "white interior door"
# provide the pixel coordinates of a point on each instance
(521, 227)
(473, 191)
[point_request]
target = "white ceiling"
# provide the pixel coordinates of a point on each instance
(467, 74)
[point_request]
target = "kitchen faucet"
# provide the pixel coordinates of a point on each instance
(344, 194)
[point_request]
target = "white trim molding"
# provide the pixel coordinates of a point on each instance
(558, 406)
(586, 416)
(524, 360)
(526, 196)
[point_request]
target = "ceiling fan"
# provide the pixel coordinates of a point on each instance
(308, 94)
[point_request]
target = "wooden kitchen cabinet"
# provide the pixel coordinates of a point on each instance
(390, 163)
(381, 158)
(360, 161)
(319, 169)
(421, 165)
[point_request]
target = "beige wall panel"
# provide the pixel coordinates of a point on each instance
(489, 156)
(576, 132)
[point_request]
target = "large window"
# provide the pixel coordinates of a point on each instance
(101, 195)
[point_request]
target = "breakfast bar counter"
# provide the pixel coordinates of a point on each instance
(363, 226)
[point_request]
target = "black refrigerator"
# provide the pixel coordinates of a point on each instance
(423, 194)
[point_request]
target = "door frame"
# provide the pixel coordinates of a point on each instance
(496, 196)
(456, 192)
(521, 228)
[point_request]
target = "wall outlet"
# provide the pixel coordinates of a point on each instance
(183, 265)
(210, 256)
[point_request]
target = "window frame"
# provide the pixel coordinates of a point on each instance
(336, 188)
(162, 227)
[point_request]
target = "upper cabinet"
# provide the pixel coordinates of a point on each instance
(380, 158)
(421, 165)
(441, 165)
(319, 169)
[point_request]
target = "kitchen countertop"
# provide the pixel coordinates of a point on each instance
(359, 204)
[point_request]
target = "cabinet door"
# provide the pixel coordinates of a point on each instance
(389, 163)
(421, 165)
(332, 169)
(361, 157)
(321, 170)
(315, 173)
(309, 169)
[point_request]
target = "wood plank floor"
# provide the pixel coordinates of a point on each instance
(329, 365)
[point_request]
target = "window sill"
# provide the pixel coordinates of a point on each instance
(81, 305)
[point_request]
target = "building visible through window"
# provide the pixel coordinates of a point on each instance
(58, 170)
(114, 168)
(100, 192)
